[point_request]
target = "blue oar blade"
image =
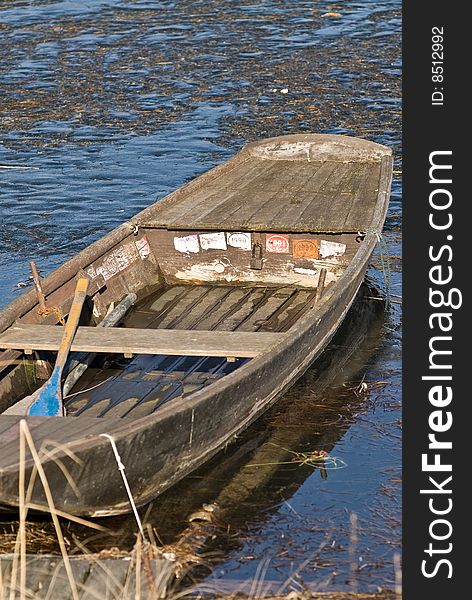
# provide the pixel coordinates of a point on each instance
(49, 403)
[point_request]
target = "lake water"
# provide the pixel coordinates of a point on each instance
(108, 105)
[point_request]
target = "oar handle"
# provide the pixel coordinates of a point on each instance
(72, 321)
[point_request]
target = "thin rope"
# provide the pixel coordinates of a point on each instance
(88, 389)
(121, 469)
(384, 259)
(385, 262)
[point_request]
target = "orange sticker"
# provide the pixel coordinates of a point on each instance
(305, 249)
(277, 243)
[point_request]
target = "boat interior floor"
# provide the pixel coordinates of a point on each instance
(118, 387)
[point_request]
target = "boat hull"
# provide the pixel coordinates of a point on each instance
(158, 452)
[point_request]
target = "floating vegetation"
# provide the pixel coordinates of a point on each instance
(364, 388)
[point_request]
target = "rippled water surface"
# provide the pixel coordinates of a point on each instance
(108, 105)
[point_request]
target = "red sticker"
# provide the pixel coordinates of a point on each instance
(277, 243)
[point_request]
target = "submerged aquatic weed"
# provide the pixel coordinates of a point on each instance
(315, 458)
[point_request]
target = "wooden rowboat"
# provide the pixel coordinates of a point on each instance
(242, 276)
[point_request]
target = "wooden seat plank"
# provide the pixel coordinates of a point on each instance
(141, 341)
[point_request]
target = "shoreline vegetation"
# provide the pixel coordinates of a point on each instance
(150, 570)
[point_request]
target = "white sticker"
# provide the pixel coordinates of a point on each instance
(106, 271)
(331, 248)
(91, 272)
(239, 240)
(213, 241)
(302, 271)
(117, 261)
(143, 247)
(189, 243)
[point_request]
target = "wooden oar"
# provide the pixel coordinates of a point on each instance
(47, 400)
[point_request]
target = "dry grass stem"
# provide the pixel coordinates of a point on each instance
(23, 512)
(47, 490)
(68, 516)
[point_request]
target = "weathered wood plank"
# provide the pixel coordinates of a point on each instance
(106, 579)
(242, 310)
(331, 208)
(168, 309)
(342, 203)
(289, 311)
(270, 304)
(339, 178)
(8, 422)
(366, 188)
(140, 341)
(146, 313)
(232, 198)
(281, 195)
(57, 429)
(207, 304)
(170, 319)
(316, 193)
(8, 359)
(290, 208)
(95, 577)
(246, 201)
(299, 204)
(315, 180)
(225, 308)
(195, 208)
